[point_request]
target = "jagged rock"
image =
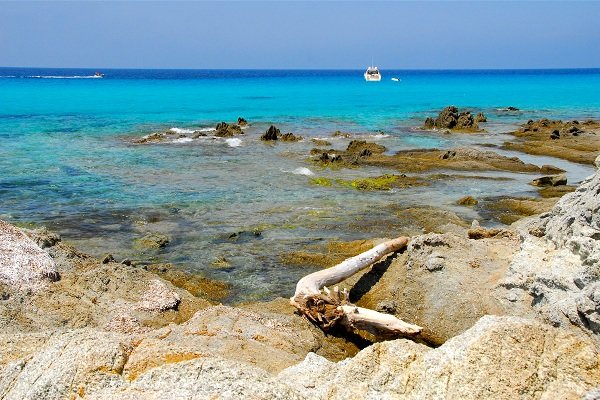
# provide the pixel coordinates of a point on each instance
(556, 271)
(551, 180)
(23, 264)
(271, 134)
(360, 146)
(480, 117)
(450, 118)
(242, 122)
(289, 137)
(223, 129)
(498, 358)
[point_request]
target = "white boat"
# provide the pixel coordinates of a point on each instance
(396, 79)
(372, 74)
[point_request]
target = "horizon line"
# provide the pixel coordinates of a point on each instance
(317, 69)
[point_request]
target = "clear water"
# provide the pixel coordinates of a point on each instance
(68, 161)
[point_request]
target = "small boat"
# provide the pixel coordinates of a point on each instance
(98, 75)
(396, 79)
(372, 74)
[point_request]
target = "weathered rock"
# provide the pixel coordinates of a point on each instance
(320, 142)
(450, 118)
(555, 274)
(158, 297)
(551, 180)
(242, 122)
(224, 129)
(427, 283)
(574, 142)
(290, 137)
(467, 201)
(271, 134)
(153, 241)
(480, 117)
(23, 264)
(498, 358)
(360, 146)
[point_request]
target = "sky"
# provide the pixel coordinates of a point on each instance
(300, 34)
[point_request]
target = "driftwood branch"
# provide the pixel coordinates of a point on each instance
(328, 308)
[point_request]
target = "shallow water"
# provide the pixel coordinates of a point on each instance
(68, 160)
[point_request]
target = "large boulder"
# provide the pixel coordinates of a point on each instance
(442, 282)
(498, 358)
(556, 273)
(224, 129)
(271, 134)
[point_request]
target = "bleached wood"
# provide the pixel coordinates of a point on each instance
(313, 283)
(332, 307)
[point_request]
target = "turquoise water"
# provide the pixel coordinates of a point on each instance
(68, 160)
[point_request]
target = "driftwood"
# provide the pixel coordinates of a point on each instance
(329, 308)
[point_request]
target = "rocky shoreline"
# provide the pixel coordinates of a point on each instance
(509, 312)
(514, 313)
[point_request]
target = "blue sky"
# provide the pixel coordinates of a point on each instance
(310, 34)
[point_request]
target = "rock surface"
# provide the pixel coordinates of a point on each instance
(498, 358)
(571, 140)
(23, 264)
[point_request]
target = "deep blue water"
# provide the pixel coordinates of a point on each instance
(68, 161)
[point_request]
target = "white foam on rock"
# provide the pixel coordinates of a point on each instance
(302, 171)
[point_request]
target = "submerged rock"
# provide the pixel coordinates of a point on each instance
(153, 241)
(290, 137)
(467, 201)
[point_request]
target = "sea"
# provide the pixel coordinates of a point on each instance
(234, 208)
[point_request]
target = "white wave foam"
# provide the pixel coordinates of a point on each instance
(205, 130)
(181, 130)
(379, 136)
(302, 171)
(234, 142)
(64, 77)
(183, 140)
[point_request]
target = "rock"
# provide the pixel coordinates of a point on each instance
(271, 134)
(242, 122)
(555, 274)
(158, 298)
(153, 241)
(23, 264)
(360, 146)
(467, 201)
(480, 117)
(574, 142)
(482, 233)
(223, 129)
(321, 142)
(551, 180)
(511, 108)
(428, 281)
(152, 138)
(597, 161)
(341, 134)
(43, 237)
(498, 358)
(290, 137)
(450, 118)
(108, 259)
